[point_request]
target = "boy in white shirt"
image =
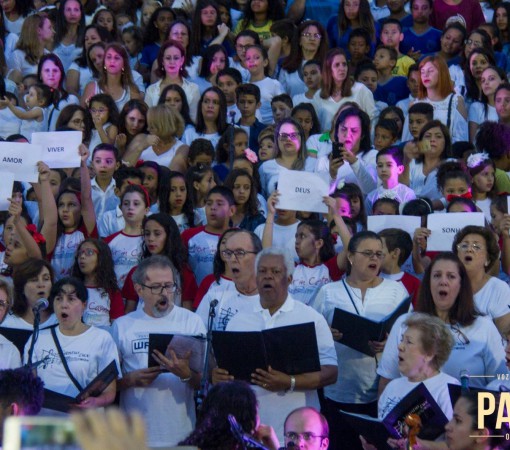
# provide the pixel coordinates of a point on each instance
(390, 165)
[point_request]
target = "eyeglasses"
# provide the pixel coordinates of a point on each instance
(307, 436)
(461, 337)
(3, 304)
(370, 254)
(159, 288)
(285, 136)
(98, 110)
(242, 48)
(87, 252)
(312, 35)
(464, 247)
(239, 254)
(475, 43)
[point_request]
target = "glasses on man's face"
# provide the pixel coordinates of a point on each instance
(239, 254)
(307, 436)
(87, 252)
(464, 247)
(371, 254)
(4, 304)
(311, 35)
(461, 337)
(158, 289)
(285, 136)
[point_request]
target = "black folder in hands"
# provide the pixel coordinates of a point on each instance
(358, 330)
(181, 345)
(17, 336)
(64, 403)
(419, 401)
(291, 349)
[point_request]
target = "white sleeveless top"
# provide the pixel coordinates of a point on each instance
(165, 159)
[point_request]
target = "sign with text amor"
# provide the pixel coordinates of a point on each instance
(21, 160)
(302, 191)
(60, 148)
(444, 227)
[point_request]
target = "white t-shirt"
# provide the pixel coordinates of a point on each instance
(423, 186)
(284, 236)
(397, 389)
(9, 123)
(17, 322)
(477, 113)
(483, 355)
(493, 299)
(164, 159)
(230, 303)
(9, 355)
(62, 258)
(126, 253)
(201, 246)
(307, 281)
(357, 379)
(86, 354)
(190, 134)
(327, 108)
(401, 193)
(269, 88)
(167, 404)
(275, 406)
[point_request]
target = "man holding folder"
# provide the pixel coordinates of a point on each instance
(279, 393)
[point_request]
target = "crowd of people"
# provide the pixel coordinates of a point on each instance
(190, 114)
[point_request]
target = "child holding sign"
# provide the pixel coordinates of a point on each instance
(34, 119)
(68, 220)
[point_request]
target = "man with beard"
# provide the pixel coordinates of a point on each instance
(163, 395)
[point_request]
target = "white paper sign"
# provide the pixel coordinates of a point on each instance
(406, 223)
(21, 160)
(302, 191)
(60, 148)
(444, 226)
(5, 189)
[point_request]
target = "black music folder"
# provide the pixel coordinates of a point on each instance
(358, 330)
(291, 349)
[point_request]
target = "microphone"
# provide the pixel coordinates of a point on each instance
(212, 306)
(40, 305)
(464, 380)
(232, 115)
(241, 436)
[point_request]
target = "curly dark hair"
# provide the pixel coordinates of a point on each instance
(491, 244)
(213, 428)
(105, 273)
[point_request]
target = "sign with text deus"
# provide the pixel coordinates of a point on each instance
(21, 160)
(60, 148)
(444, 226)
(302, 191)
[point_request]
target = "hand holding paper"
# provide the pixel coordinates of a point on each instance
(44, 172)
(175, 365)
(302, 191)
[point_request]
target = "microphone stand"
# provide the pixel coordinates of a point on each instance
(35, 335)
(231, 148)
(202, 392)
(244, 439)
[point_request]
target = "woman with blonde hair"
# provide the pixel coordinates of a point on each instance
(162, 144)
(115, 79)
(36, 38)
